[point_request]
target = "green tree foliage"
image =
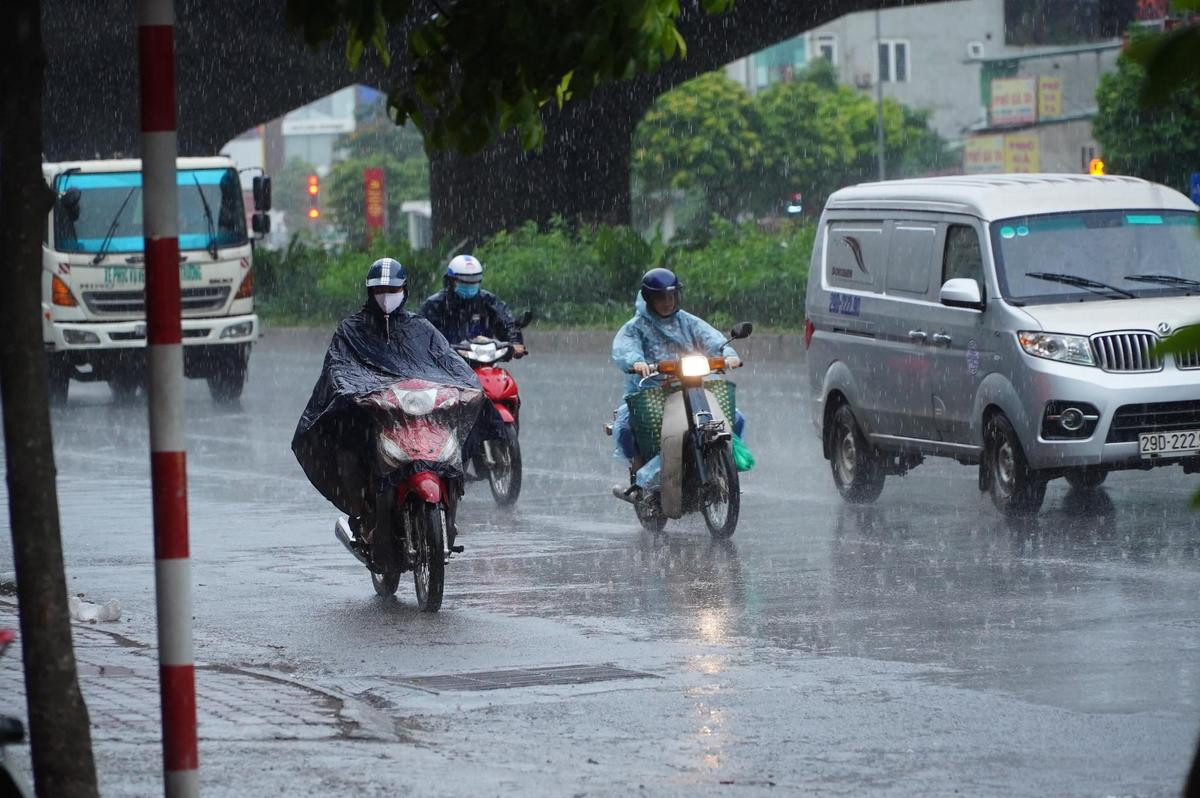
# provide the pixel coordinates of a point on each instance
(1159, 142)
(376, 142)
(810, 135)
(703, 135)
(480, 67)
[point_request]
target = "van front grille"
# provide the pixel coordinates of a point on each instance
(1188, 360)
(1129, 420)
(126, 302)
(1127, 351)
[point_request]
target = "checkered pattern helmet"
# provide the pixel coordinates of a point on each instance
(387, 272)
(465, 269)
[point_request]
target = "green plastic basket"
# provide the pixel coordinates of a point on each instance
(646, 412)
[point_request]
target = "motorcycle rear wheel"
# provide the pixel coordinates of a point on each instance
(429, 560)
(504, 476)
(723, 493)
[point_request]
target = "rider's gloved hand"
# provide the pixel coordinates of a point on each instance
(733, 362)
(518, 350)
(642, 369)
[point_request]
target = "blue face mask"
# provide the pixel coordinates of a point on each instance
(467, 290)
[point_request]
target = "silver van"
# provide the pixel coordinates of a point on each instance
(1008, 321)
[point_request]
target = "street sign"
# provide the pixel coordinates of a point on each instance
(1196, 187)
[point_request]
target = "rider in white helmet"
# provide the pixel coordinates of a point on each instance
(463, 310)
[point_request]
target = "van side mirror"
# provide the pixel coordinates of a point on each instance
(741, 330)
(260, 223)
(524, 319)
(262, 193)
(961, 292)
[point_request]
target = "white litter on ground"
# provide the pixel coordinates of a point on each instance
(90, 612)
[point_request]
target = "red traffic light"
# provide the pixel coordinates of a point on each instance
(314, 185)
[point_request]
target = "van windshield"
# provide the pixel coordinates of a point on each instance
(1072, 257)
(82, 220)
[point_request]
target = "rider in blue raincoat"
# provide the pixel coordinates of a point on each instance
(660, 330)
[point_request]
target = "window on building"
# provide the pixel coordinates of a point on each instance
(826, 47)
(893, 61)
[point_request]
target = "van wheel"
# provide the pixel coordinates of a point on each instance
(857, 467)
(1015, 487)
(1086, 478)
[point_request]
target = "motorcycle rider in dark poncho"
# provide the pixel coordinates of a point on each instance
(379, 345)
(461, 311)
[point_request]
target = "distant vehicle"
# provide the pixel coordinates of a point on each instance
(1008, 321)
(93, 274)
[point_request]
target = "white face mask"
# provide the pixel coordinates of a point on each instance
(389, 302)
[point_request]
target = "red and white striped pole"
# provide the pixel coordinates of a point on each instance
(164, 360)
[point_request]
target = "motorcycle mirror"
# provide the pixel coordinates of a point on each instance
(524, 320)
(741, 330)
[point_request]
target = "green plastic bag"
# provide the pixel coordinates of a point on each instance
(742, 457)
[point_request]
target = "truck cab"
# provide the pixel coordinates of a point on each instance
(94, 279)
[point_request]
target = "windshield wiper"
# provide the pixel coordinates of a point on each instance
(1163, 279)
(1095, 286)
(208, 217)
(112, 228)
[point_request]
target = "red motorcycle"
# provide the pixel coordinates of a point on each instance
(417, 426)
(499, 462)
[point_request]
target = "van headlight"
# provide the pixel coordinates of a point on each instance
(694, 366)
(1054, 346)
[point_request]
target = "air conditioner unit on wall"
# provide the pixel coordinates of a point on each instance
(975, 50)
(863, 80)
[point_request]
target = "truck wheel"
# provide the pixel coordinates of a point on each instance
(58, 378)
(226, 383)
(125, 385)
(857, 468)
(1016, 489)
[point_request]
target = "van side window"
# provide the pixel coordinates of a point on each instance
(962, 257)
(910, 259)
(854, 254)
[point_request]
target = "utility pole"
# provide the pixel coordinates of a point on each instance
(879, 152)
(164, 359)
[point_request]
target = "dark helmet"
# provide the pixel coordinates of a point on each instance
(661, 282)
(387, 272)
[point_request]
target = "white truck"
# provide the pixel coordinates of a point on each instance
(93, 274)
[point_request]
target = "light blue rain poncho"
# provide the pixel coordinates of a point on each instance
(649, 338)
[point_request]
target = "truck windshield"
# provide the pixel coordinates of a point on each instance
(82, 219)
(1072, 257)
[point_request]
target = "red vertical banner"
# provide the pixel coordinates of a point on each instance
(374, 202)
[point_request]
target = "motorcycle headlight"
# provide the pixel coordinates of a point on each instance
(418, 403)
(694, 366)
(1053, 346)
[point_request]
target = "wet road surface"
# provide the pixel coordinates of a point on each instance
(921, 645)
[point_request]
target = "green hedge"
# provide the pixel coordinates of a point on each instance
(583, 277)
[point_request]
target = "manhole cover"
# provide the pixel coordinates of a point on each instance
(522, 677)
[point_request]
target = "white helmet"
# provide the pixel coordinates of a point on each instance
(465, 269)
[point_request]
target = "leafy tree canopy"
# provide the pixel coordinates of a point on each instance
(478, 68)
(1159, 142)
(749, 154)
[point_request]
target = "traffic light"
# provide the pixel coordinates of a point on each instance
(1096, 166)
(314, 191)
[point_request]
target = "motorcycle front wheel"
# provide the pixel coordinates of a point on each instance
(429, 558)
(504, 472)
(722, 494)
(385, 584)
